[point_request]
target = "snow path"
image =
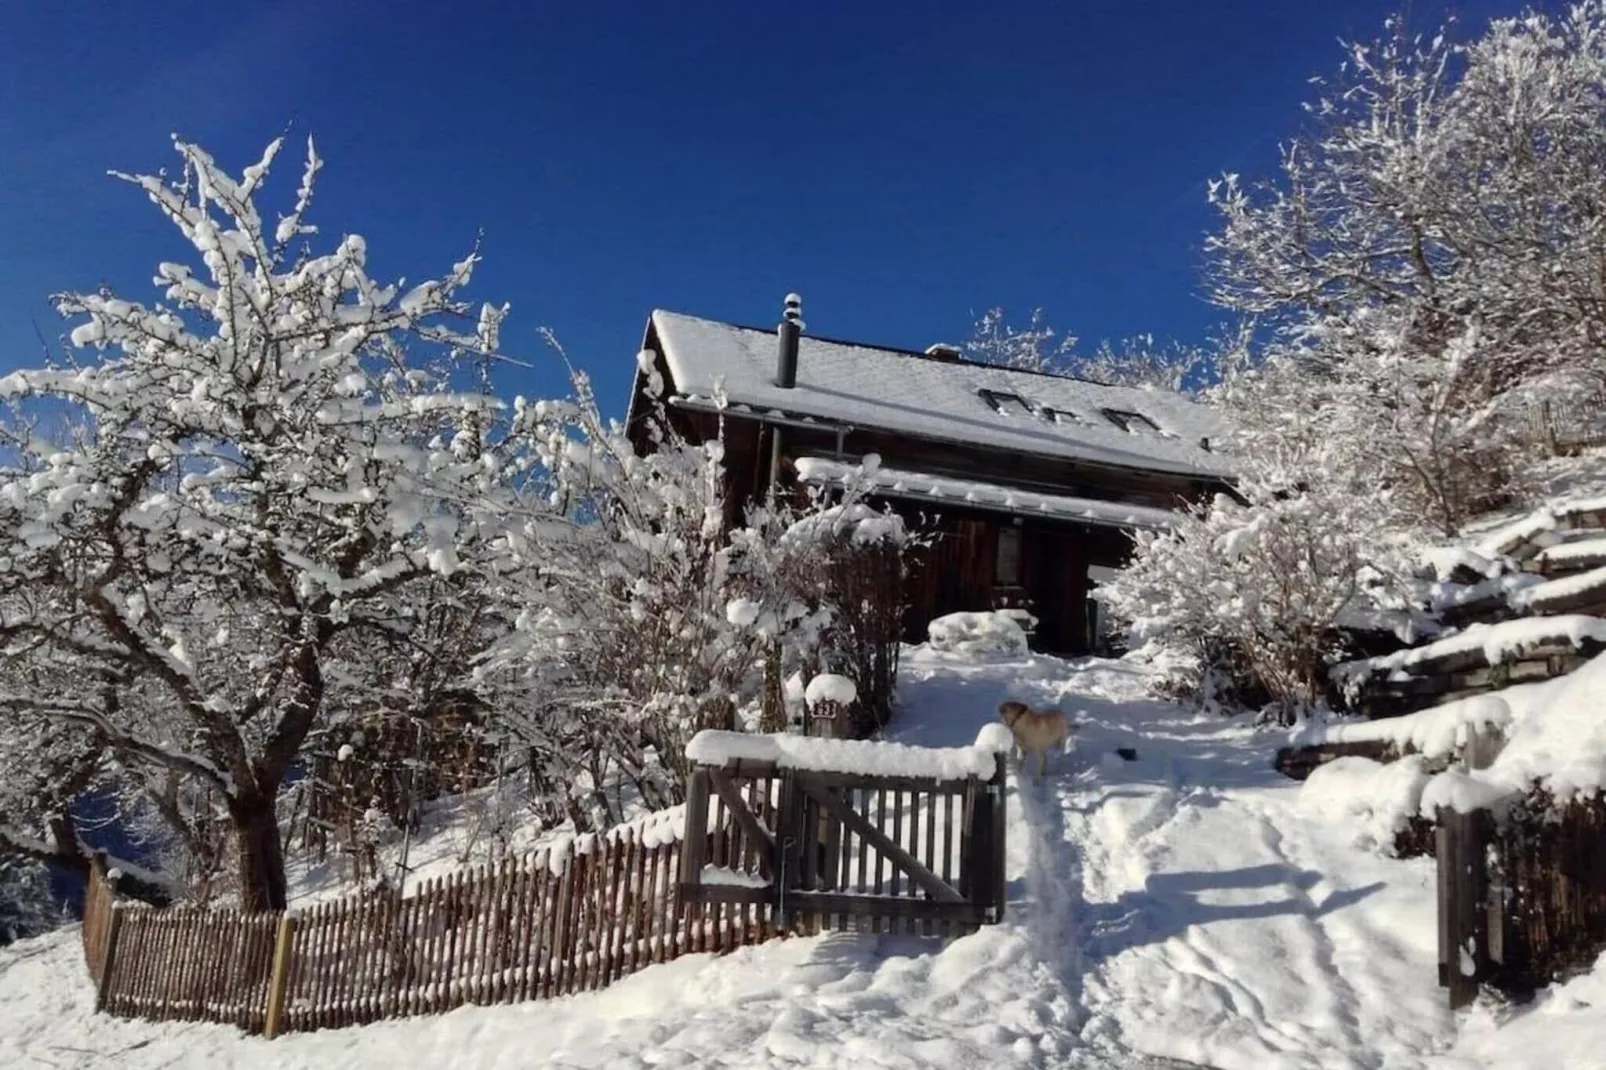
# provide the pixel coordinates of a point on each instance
(1180, 910)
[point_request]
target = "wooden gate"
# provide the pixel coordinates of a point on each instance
(826, 848)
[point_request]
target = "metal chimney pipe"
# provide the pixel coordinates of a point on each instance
(790, 330)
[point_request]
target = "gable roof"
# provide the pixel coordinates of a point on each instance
(974, 404)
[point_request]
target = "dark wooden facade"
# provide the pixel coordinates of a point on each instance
(963, 569)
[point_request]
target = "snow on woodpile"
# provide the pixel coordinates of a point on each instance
(977, 635)
(1526, 537)
(1568, 592)
(1494, 644)
(861, 757)
(1581, 554)
(920, 486)
(1433, 733)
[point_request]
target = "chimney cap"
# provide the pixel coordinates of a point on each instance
(944, 351)
(793, 310)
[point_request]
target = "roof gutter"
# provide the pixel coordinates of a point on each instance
(842, 430)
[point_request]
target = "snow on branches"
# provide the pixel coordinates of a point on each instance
(1423, 271)
(255, 468)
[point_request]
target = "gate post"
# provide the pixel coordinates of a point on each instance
(1000, 884)
(1460, 847)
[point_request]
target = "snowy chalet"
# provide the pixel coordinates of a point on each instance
(1032, 483)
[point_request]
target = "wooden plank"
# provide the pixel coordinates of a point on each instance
(284, 939)
(931, 861)
(517, 951)
(547, 906)
(1000, 889)
(895, 878)
(439, 933)
(601, 911)
(861, 882)
(880, 925)
(651, 931)
(637, 914)
(574, 921)
(787, 813)
(696, 835)
(560, 928)
(946, 873)
(108, 957)
(843, 863)
(895, 853)
(484, 919)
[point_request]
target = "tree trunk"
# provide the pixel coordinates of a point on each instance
(259, 854)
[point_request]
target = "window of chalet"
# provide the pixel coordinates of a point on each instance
(1134, 422)
(1058, 416)
(1006, 566)
(1005, 403)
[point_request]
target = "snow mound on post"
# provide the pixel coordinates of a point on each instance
(996, 737)
(829, 687)
(994, 634)
(860, 757)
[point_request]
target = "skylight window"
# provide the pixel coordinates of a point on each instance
(1005, 404)
(1134, 422)
(1057, 416)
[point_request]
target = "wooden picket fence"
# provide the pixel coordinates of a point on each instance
(1522, 895)
(570, 918)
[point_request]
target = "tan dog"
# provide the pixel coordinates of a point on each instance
(1035, 731)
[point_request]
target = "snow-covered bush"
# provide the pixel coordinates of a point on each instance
(1255, 588)
(978, 635)
(651, 617)
(26, 906)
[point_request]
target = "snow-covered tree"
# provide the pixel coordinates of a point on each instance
(1424, 268)
(1036, 347)
(260, 469)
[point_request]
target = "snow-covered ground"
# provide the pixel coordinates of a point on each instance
(1182, 906)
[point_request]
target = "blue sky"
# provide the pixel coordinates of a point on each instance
(899, 164)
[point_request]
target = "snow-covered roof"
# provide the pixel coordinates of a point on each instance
(899, 391)
(939, 491)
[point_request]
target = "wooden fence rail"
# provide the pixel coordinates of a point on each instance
(569, 918)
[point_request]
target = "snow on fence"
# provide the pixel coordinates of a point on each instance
(572, 917)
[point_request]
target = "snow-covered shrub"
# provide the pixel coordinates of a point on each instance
(1254, 589)
(980, 635)
(651, 616)
(856, 558)
(26, 906)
